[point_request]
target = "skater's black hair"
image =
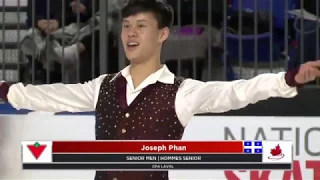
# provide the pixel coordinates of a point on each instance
(162, 11)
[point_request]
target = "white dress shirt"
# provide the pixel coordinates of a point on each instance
(193, 97)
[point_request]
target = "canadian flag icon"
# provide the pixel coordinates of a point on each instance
(277, 151)
(36, 151)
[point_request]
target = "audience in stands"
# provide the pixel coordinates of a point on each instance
(198, 16)
(81, 30)
(45, 21)
(40, 10)
(87, 55)
(309, 33)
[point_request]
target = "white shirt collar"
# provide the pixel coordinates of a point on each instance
(163, 75)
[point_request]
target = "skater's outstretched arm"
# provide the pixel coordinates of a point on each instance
(53, 97)
(216, 97)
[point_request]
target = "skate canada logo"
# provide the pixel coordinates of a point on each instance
(276, 153)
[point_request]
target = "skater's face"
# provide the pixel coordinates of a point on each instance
(141, 37)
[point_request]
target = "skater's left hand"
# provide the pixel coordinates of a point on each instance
(308, 72)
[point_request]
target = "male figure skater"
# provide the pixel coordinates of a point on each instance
(145, 101)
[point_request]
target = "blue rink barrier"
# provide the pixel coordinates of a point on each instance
(8, 109)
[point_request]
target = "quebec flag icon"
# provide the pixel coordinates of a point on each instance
(252, 147)
(36, 151)
(277, 152)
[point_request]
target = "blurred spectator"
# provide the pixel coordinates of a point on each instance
(55, 12)
(198, 16)
(48, 19)
(308, 32)
(82, 51)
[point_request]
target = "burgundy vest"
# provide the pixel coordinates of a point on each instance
(151, 116)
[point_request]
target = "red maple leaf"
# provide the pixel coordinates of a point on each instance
(276, 151)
